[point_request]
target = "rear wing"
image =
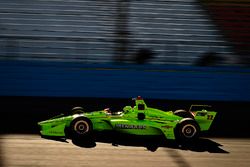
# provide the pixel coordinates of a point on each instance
(204, 115)
(199, 107)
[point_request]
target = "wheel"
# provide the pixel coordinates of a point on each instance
(81, 128)
(183, 114)
(77, 110)
(187, 130)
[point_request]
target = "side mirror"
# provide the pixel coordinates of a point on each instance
(141, 116)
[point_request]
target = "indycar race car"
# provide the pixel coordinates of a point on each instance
(139, 119)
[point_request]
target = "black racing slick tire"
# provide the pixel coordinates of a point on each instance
(81, 128)
(77, 110)
(183, 114)
(187, 130)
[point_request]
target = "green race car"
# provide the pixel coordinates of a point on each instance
(139, 119)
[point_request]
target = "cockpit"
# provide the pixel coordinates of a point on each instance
(138, 106)
(108, 111)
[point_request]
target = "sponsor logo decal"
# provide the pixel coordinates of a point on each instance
(126, 126)
(54, 132)
(167, 127)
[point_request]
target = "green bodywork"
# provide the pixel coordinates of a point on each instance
(156, 122)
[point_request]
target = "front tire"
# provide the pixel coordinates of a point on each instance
(187, 131)
(77, 110)
(81, 128)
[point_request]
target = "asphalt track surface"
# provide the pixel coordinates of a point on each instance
(33, 151)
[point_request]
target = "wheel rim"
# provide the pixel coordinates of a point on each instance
(81, 127)
(189, 131)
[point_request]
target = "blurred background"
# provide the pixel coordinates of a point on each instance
(178, 32)
(55, 54)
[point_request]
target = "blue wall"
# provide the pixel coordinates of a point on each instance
(53, 79)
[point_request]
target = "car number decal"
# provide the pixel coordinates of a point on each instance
(210, 117)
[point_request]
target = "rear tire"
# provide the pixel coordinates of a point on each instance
(187, 131)
(183, 114)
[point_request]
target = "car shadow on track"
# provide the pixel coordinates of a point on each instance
(201, 145)
(152, 144)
